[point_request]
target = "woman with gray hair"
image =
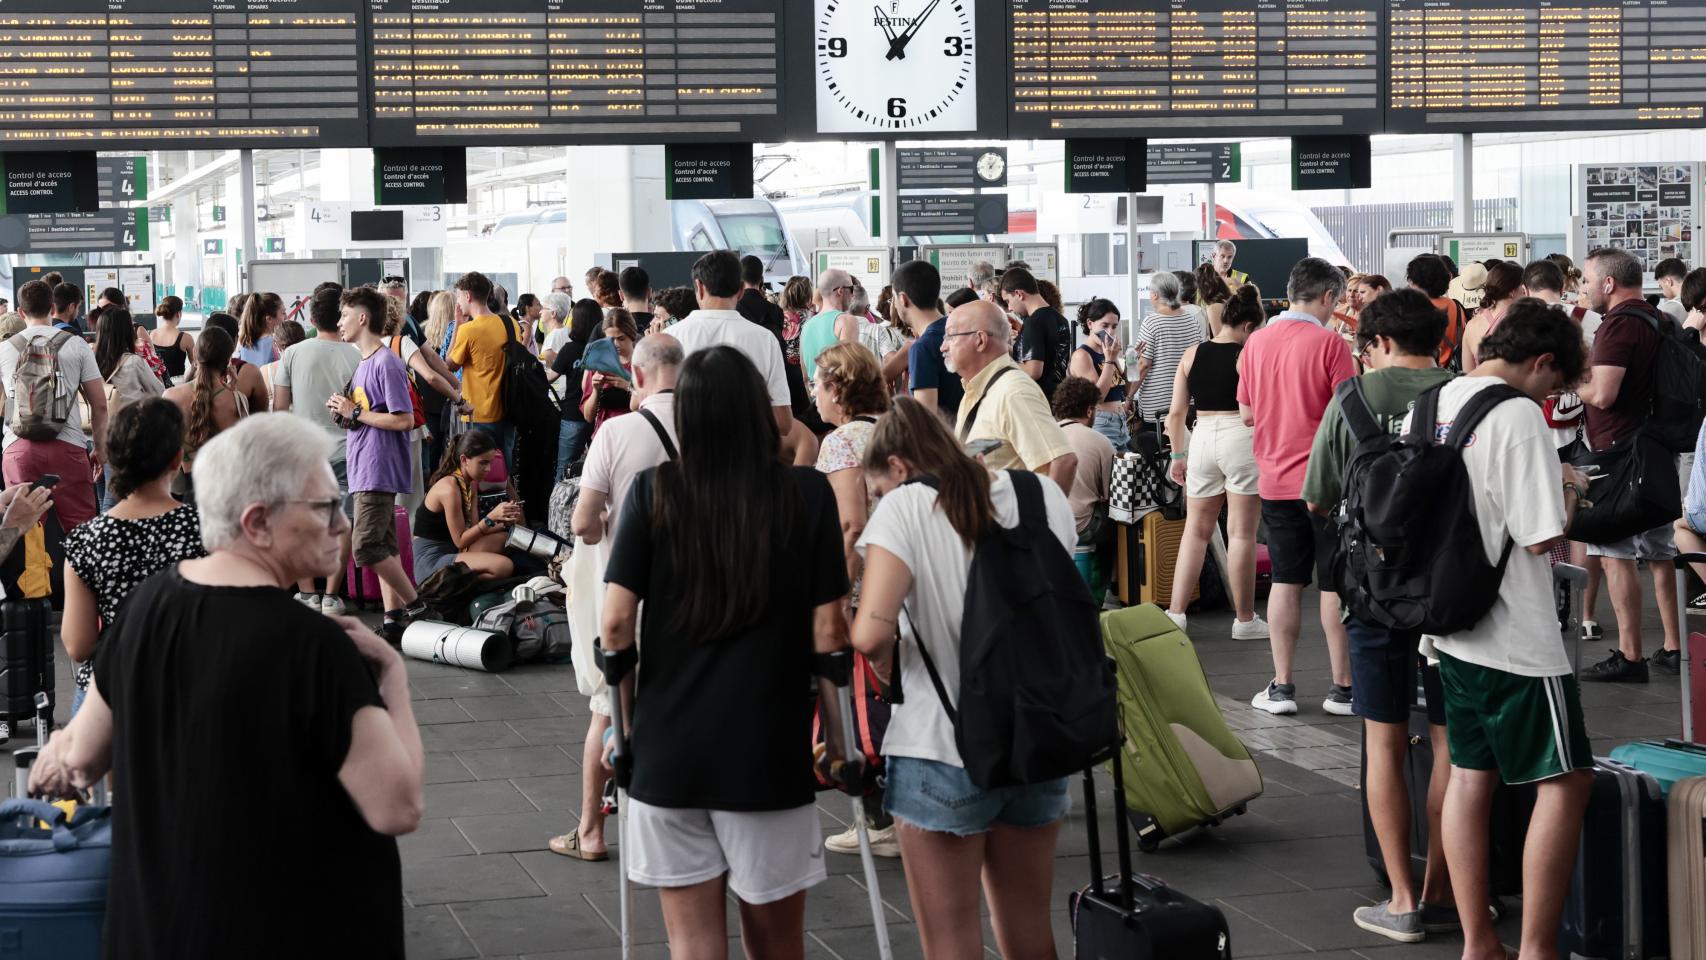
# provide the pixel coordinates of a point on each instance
(1161, 343)
(213, 676)
(554, 320)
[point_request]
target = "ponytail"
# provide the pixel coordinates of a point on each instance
(257, 307)
(213, 351)
(1244, 309)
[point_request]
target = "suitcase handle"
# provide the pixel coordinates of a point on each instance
(64, 841)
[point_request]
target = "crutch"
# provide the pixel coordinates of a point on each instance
(616, 666)
(837, 670)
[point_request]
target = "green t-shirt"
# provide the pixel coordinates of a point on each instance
(816, 336)
(1390, 392)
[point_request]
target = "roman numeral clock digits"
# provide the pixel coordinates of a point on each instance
(896, 66)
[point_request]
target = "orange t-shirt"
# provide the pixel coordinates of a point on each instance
(1455, 321)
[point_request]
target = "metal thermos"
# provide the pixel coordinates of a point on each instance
(463, 646)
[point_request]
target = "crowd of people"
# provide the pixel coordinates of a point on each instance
(777, 475)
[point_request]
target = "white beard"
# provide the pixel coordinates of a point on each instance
(948, 364)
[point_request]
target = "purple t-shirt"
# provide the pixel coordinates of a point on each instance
(379, 459)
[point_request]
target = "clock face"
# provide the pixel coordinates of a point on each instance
(990, 166)
(895, 66)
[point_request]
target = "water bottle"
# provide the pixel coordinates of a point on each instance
(1129, 361)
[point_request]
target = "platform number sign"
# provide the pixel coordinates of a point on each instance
(896, 66)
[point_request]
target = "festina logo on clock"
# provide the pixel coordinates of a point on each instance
(896, 66)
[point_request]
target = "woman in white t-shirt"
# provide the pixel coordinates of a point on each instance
(918, 550)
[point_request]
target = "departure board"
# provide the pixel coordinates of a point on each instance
(164, 74)
(1473, 66)
(1120, 68)
(560, 71)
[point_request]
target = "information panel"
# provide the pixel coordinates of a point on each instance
(561, 71)
(1484, 65)
(1110, 68)
(173, 74)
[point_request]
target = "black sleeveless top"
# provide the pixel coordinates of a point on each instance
(430, 525)
(1214, 377)
(174, 357)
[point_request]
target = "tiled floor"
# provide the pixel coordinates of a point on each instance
(503, 776)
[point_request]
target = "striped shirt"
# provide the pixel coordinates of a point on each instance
(1164, 340)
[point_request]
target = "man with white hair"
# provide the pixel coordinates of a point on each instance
(309, 712)
(556, 308)
(1224, 251)
(1010, 410)
(835, 288)
(620, 450)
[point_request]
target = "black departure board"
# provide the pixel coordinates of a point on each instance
(1140, 68)
(164, 74)
(1473, 66)
(562, 71)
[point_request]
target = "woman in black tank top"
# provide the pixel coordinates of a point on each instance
(1216, 463)
(448, 528)
(173, 345)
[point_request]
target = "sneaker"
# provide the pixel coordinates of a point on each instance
(1591, 630)
(332, 605)
(1439, 918)
(1254, 628)
(1402, 927)
(1666, 662)
(1615, 669)
(309, 600)
(414, 611)
(1277, 698)
(1178, 619)
(883, 842)
(1697, 604)
(1338, 702)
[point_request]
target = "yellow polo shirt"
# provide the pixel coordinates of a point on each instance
(1016, 412)
(479, 350)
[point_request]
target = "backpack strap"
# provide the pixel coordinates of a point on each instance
(663, 435)
(1028, 490)
(1481, 404)
(1424, 417)
(971, 418)
(1353, 405)
(935, 677)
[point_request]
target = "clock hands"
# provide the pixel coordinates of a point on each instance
(883, 21)
(897, 45)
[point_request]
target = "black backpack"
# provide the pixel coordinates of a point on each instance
(1036, 689)
(1679, 387)
(1409, 556)
(527, 399)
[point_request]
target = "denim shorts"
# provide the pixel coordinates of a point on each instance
(1696, 521)
(942, 799)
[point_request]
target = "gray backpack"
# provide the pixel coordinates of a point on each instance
(539, 629)
(36, 407)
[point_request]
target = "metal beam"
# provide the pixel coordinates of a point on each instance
(1463, 180)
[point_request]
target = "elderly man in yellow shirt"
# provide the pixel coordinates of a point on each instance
(998, 405)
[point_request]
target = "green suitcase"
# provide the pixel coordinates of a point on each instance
(1184, 767)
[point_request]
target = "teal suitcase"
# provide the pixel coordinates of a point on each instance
(1668, 762)
(1183, 766)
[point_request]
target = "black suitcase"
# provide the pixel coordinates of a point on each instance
(26, 661)
(1617, 908)
(1143, 918)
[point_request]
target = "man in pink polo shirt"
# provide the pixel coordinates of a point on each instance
(1286, 376)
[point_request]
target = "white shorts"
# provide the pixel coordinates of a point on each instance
(769, 855)
(1222, 458)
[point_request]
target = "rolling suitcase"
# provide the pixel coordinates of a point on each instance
(1669, 761)
(1614, 910)
(1142, 918)
(53, 876)
(26, 663)
(362, 583)
(1686, 831)
(1186, 767)
(1146, 552)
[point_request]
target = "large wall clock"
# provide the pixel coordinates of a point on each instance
(896, 66)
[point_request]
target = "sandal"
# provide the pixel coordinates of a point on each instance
(569, 845)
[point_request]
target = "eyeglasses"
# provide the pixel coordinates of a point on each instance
(332, 505)
(962, 333)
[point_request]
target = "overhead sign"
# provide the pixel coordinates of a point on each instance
(955, 261)
(1196, 163)
(48, 182)
(331, 225)
(1155, 68)
(708, 171)
(581, 71)
(1650, 210)
(1457, 66)
(159, 74)
(420, 176)
(952, 214)
(869, 265)
(106, 231)
(1105, 166)
(956, 168)
(122, 180)
(213, 248)
(1330, 163)
(272, 244)
(1477, 247)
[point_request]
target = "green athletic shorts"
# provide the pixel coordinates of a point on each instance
(1527, 728)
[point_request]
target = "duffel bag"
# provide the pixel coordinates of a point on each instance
(53, 880)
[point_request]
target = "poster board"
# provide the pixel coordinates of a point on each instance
(871, 266)
(1465, 248)
(1650, 210)
(954, 261)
